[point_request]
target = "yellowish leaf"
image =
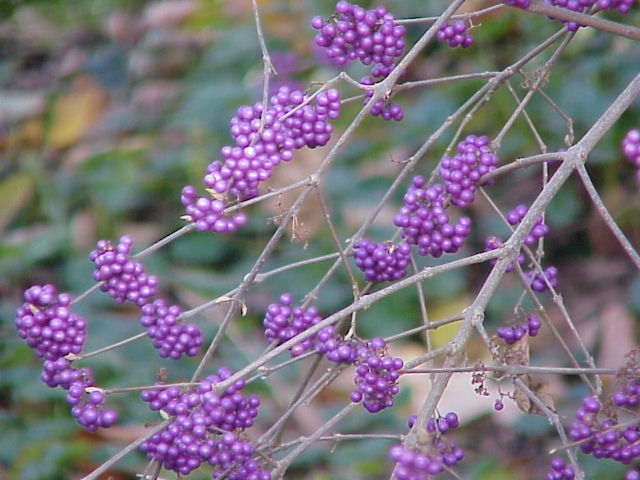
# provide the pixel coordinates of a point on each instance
(75, 112)
(15, 192)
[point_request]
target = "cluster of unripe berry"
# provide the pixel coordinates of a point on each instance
(205, 428)
(430, 457)
(262, 140)
(56, 334)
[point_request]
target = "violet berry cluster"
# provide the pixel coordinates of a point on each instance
(462, 172)
(512, 334)
(170, 338)
(518, 3)
(560, 471)
(539, 229)
(425, 223)
(377, 373)
(121, 277)
(382, 262)
(282, 322)
(540, 281)
(205, 428)
(428, 458)
(597, 427)
(585, 6)
(455, 34)
(376, 376)
(262, 140)
(491, 243)
(371, 36)
(56, 334)
(631, 150)
(47, 324)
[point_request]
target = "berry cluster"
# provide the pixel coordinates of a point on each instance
(47, 324)
(282, 322)
(49, 327)
(385, 110)
(538, 230)
(258, 148)
(585, 6)
(518, 3)
(537, 280)
(455, 34)
(382, 262)
(122, 278)
(512, 334)
(425, 223)
(560, 471)
(416, 465)
(491, 243)
(598, 430)
(631, 150)
(171, 339)
(376, 376)
(335, 347)
(87, 405)
(205, 429)
(462, 172)
(370, 36)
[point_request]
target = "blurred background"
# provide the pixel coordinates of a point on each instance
(109, 107)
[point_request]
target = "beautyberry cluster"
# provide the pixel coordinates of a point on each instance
(537, 280)
(428, 458)
(382, 262)
(370, 36)
(599, 431)
(425, 223)
(205, 429)
(538, 230)
(455, 34)
(54, 332)
(335, 347)
(560, 471)
(493, 242)
(121, 277)
(462, 172)
(47, 324)
(376, 376)
(352, 32)
(258, 147)
(631, 150)
(87, 405)
(171, 339)
(584, 6)
(282, 322)
(512, 334)
(518, 3)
